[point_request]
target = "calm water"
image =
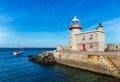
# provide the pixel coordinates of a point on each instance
(19, 69)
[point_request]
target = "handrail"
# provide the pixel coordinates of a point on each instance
(114, 64)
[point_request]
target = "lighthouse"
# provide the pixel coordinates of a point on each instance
(75, 28)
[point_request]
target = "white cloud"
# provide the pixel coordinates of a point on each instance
(3, 33)
(112, 30)
(35, 39)
(112, 25)
(52, 39)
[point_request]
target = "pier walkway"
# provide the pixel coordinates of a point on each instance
(92, 53)
(114, 57)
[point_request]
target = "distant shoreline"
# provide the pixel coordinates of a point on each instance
(28, 47)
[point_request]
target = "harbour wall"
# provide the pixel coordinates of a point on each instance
(95, 63)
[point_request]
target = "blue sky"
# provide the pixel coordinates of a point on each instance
(44, 23)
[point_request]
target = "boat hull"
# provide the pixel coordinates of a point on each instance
(17, 52)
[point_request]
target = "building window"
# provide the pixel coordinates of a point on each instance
(91, 45)
(116, 47)
(83, 37)
(91, 36)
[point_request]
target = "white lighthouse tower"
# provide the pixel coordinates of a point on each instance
(75, 28)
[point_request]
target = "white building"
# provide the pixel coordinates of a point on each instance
(86, 41)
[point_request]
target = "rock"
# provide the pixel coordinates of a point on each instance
(46, 58)
(30, 56)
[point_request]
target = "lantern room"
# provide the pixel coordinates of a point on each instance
(75, 24)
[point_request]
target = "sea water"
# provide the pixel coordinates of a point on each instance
(20, 69)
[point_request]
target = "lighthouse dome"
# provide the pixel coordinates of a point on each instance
(75, 24)
(75, 19)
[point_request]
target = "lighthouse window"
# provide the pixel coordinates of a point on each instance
(91, 36)
(75, 22)
(91, 45)
(83, 37)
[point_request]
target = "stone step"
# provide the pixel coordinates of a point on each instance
(116, 61)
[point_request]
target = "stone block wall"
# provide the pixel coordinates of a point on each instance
(95, 63)
(93, 40)
(62, 48)
(112, 47)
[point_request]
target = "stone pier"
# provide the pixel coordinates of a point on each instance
(99, 62)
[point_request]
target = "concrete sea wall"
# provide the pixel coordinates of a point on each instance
(95, 63)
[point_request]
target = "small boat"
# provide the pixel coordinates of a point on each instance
(17, 52)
